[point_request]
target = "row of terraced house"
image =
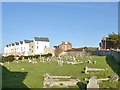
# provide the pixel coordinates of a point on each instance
(27, 47)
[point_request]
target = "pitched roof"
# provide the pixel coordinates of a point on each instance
(41, 39)
(28, 41)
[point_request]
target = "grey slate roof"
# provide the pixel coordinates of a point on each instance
(41, 39)
(28, 41)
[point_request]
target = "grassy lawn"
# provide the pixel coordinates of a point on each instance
(32, 75)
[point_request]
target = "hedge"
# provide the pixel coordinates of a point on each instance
(12, 57)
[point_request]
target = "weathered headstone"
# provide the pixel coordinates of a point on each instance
(114, 78)
(87, 70)
(1, 64)
(93, 84)
(22, 69)
(89, 61)
(29, 61)
(94, 62)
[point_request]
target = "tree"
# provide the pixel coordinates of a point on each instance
(57, 51)
(113, 41)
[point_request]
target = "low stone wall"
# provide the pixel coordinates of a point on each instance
(115, 54)
(49, 50)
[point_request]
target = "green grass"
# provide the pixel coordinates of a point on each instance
(32, 76)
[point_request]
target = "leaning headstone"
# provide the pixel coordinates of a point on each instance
(86, 69)
(89, 61)
(8, 62)
(94, 62)
(29, 61)
(93, 84)
(58, 62)
(114, 78)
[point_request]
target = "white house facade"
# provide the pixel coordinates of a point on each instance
(27, 47)
(40, 44)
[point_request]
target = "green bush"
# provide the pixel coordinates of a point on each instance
(20, 58)
(8, 58)
(47, 55)
(36, 56)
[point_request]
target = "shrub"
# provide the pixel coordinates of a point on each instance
(21, 57)
(47, 55)
(8, 58)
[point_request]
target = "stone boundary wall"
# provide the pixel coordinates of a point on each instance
(115, 54)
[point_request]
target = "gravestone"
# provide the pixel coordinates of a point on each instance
(29, 61)
(87, 70)
(89, 61)
(1, 64)
(8, 62)
(114, 78)
(93, 84)
(22, 69)
(94, 62)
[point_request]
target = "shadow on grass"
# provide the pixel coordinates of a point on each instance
(82, 86)
(114, 65)
(13, 80)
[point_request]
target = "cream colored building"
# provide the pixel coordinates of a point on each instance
(40, 44)
(27, 47)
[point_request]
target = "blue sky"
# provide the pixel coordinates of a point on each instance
(83, 24)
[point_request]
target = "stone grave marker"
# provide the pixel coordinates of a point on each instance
(94, 62)
(22, 69)
(93, 84)
(114, 78)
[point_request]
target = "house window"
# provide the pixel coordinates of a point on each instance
(37, 47)
(21, 48)
(37, 42)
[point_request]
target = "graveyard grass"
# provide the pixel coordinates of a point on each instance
(32, 76)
